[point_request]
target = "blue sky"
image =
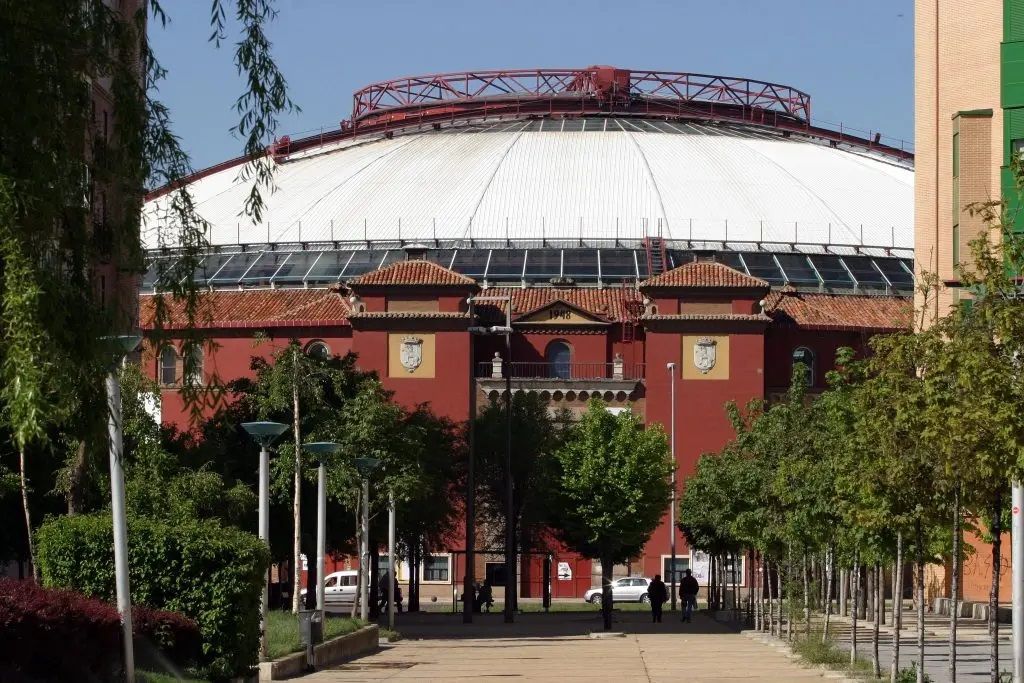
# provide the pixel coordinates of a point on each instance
(854, 58)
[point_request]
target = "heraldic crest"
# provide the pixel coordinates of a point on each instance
(411, 353)
(704, 354)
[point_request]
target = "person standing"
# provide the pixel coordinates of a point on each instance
(688, 588)
(658, 594)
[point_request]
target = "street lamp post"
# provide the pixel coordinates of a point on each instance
(120, 346)
(672, 508)
(391, 560)
(321, 449)
(510, 548)
(264, 434)
(365, 466)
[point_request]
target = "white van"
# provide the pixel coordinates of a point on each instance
(340, 587)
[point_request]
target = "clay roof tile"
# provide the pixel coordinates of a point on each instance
(705, 274)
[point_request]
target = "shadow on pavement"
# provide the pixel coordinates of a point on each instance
(533, 625)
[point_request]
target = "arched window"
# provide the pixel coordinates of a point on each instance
(804, 356)
(195, 375)
(168, 366)
(559, 356)
(318, 349)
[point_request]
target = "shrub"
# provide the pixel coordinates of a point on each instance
(56, 635)
(210, 573)
(173, 635)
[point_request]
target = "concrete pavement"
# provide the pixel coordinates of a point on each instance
(558, 647)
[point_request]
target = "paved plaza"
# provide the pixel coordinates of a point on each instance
(558, 647)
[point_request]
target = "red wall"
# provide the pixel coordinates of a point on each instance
(231, 358)
(701, 422)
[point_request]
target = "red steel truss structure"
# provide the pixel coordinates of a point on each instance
(439, 99)
(593, 90)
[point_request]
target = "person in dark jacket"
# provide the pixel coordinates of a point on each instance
(658, 594)
(688, 588)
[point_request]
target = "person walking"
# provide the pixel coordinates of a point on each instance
(688, 588)
(658, 594)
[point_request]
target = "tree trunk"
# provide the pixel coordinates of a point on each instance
(76, 480)
(919, 552)
(897, 609)
(807, 603)
(993, 594)
(28, 515)
(869, 595)
(606, 592)
(413, 604)
(374, 593)
(954, 603)
(735, 586)
(843, 585)
(778, 596)
(828, 592)
(876, 666)
(854, 590)
(297, 501)
(789, 595)
(771, 599)
(756, 595)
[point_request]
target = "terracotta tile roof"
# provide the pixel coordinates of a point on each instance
(737, 317)
(840, 312)
(414, 272)
(254, 308)
(705, 274)
(606, 304)
(435, 315)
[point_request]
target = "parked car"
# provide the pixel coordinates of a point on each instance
(339, 587)
(629, 589)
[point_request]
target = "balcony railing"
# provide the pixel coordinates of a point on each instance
(618, 370)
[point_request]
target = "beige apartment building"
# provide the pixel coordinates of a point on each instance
(969, 109)
(958, 133)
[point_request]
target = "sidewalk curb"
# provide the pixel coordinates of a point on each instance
(786, 649)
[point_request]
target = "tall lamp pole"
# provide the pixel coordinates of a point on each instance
(365, 466)
(392, 565)
(510, 541)
(120, 346)
(672, 508)
(321, 449)
(264, 434)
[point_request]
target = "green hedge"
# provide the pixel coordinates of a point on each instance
(211, 573)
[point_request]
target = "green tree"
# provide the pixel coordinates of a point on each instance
(70, 201)
(536, 436)
(613, 488)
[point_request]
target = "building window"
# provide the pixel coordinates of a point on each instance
(682, 564)
(195, 372)
(437, 568)
(558, 356)
(318, 349)
(804, 356)
(168, 366)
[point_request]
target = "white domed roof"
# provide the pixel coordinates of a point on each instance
(567, 180)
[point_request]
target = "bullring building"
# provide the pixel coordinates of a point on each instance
(630, 219)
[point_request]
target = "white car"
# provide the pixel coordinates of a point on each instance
(629, 589)
(340, 587)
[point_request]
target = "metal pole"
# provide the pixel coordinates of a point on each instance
(510, 538)
(1017, 562)
(321, 532)
(672, 508)
(117, 504)
(469, 576)
(364, 558)
(264, 533)
(391, 561)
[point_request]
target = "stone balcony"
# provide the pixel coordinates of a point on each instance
(572, 381)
